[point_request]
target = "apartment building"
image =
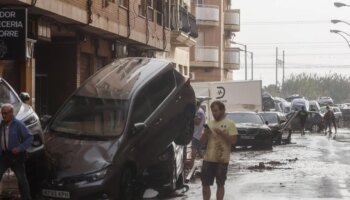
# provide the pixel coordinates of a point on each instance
(69, 40)
(213, 58)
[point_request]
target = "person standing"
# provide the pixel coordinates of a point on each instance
(15, 138)
(219, 135)
(302, 114)
(329, 118)
(198, 129)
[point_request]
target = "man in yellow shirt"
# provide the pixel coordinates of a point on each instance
(219, 135)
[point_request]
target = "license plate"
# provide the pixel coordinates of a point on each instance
(56, 194)
(248, 137)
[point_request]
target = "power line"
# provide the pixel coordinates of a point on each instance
(299, 22)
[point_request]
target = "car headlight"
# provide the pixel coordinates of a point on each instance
(97, 175)
(30, 120)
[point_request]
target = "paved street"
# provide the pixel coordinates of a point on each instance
(313, 167)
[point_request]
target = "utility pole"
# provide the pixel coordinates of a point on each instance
(252, 64)
(276, 66)
(245, 62)
(283, 67)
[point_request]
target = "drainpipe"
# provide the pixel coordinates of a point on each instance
(128, 21)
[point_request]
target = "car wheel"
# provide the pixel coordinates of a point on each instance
(268, 144)
(127, 181)
(279, 140)
(186, 136)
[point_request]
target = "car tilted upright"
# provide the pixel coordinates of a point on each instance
(119, 131)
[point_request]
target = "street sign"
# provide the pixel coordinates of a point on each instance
(13, 33)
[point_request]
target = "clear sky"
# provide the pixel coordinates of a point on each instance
(301, 28)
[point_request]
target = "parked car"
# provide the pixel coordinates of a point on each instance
(315, 106)
(117, 128)
(275, 121)
(252, 131)
(286, 107)
(325, 101)
(294, 96)
(298, 103)
(314, 122)
(337, 114)
(26, 114)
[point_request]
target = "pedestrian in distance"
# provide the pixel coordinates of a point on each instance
(302, 115)
(199, 121)
(15, 138)
(329, 119)
(219, 135)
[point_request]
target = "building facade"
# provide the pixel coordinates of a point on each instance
(69, 40)
(213, 58)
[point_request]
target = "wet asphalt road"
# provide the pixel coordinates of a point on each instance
(312, 167)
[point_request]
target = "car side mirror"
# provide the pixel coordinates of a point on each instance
(44, 120)
(282, 121)
(24, 96)
(267, 122)
(138, 127)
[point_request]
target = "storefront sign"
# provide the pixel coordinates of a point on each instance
(13, 33)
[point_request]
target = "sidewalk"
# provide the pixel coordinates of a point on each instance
(8, 187)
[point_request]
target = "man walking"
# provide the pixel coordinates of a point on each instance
(302, 114)
(329, 118)
(15, 138)
(219, 135)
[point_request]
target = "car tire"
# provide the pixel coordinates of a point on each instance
(185, 137)
(127, 183)
(279, 140)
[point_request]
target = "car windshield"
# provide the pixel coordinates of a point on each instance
(241, 118)
(7, 95)
(270, 117)
(87, 116)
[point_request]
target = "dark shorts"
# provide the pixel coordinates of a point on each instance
(196, 144)
(211, 170)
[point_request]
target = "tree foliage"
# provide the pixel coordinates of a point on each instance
(313, 86)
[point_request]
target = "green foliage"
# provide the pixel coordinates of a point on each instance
(313, 86)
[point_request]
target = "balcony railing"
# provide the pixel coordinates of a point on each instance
(207, 54)
(232, 20)
(183, 26)
(208, 14)
(232, 58)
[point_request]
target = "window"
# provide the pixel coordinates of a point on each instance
(152, 95)
(124, 3)
(142, 8)
(150, 10)
(185, 70)
(181, 69)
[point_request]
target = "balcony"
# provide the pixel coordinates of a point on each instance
(184, 27)
(232, 58)
(208, 15)
(232, 20)
(206, 56)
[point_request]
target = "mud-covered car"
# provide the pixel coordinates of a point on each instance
(252, 130)
(124, 122)
(275, 121)
(314, 122)
(26, 114)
